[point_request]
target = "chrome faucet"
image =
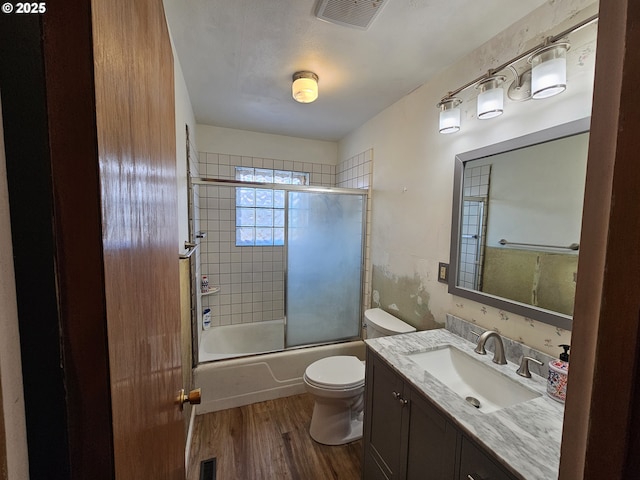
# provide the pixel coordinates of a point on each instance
(498, 354)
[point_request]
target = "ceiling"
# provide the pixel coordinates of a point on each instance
(238, 57)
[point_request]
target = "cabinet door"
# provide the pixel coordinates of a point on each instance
(432, 442)
(383, 418)
(476, 465)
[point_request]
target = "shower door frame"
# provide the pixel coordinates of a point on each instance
(339, 191)
(206, 181)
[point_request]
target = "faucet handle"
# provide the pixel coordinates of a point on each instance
(523, 371)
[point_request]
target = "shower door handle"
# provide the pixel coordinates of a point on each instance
(194, 397)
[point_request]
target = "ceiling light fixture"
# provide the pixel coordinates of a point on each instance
(449, 114)
(548, 77)
(549, 70)
(491, 98)
(305, 87)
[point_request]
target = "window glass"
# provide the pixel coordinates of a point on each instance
(260, 211)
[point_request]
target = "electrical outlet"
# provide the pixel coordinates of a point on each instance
(443, 272)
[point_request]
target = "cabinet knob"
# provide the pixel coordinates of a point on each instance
(398, 397)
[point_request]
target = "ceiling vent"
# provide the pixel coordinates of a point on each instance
(350, 13)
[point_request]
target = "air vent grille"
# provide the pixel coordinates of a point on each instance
(208, 469)
(350, 13)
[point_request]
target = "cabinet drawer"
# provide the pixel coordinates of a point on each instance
(476, 465)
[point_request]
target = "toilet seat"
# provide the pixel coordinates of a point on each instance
(336, 373)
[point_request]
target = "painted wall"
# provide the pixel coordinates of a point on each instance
(536, 193)
(184, 117)
(10, 363)
(413, 174)
(265, 145)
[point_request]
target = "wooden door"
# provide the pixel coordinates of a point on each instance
(88, 103)
(137, 165)
(601, 430)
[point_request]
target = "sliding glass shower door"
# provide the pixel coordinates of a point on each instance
(325, 239)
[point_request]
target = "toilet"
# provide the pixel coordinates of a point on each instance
(337, 385)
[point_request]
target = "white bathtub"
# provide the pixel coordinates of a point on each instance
(230, 341)
(242, 381)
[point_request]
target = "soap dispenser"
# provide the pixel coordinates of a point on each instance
(558, 374)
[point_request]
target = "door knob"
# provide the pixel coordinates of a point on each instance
(194, 397)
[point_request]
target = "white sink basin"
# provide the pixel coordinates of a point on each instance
(472, 379)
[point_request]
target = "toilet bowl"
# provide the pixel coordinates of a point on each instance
(337, 385)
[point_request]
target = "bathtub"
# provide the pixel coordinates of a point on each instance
(256, 378)
(230, 341)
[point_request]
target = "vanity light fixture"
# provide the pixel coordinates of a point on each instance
(304, 87)
(491, 97)
(549, 70)
(449, 114)
(547, 77)
(520, 89)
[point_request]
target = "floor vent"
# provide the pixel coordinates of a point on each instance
(350, 13)
(208, 469)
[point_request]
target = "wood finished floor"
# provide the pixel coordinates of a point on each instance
(270, 440)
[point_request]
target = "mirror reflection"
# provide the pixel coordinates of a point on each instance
(519, 213)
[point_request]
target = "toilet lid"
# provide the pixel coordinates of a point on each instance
(336, 372)
(386, 323)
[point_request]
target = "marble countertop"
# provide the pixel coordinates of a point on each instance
(525, 437)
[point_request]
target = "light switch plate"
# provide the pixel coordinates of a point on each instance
(443, 272)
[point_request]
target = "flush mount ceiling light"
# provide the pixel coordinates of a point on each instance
(549, 70)
(491, 98)
(305, 87)
(449, 114)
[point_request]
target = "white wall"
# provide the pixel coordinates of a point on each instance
(10, 363)
(184, 116)
(413, 170)
(264, 145)
(536, 193)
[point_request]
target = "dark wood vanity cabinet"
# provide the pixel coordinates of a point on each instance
(476, 465)
(407, 438)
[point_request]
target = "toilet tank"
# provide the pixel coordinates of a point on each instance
(381, 324)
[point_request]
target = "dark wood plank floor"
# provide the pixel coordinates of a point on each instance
(270, 440)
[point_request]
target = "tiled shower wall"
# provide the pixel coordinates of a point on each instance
(251, 279)
(474, 225)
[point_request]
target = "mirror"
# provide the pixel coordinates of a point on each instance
(517, 213)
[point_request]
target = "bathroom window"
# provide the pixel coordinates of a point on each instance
(260, 211)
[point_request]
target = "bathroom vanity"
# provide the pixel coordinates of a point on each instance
(418, 428)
